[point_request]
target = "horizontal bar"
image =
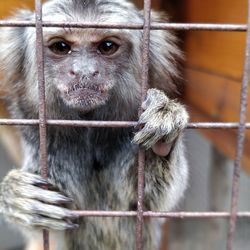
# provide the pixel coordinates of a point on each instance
(215, 125)
(177, 215)
(195, 215)
(115, 124)
(69, 123)
(133, 26)
(105, 213)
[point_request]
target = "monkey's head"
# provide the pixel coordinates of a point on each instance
(87, 69)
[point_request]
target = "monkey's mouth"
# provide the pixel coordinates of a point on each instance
(84, 96)
(81, 91)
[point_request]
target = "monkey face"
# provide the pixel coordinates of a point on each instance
(87, 69)
(91, 68)
(85, 65)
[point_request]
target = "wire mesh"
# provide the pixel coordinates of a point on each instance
(42, 122)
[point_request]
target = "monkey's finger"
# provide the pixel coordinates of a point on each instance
(47, 186)
(156, 129)
(166, 123)
(19, 176)
(40, 222)
(153, 127)
(47, 196)
(31, 206)
(22, 178)
(145, 139)
(154, 117)
(156, 98)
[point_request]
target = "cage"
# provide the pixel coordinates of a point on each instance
(214, 36)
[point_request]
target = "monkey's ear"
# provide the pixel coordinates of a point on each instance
(164, 59)
(12, 52)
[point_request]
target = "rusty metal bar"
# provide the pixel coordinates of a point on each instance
(136, 26)
(42, 106)
(70, 123)
(241, 140)
(215, 125)
(173, 215)
(195, 215)
(140, 200)
(141, 154)
(116, 124)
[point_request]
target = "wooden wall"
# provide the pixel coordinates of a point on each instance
(9, 6)
(213, 74)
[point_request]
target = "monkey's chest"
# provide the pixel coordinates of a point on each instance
(109, 233)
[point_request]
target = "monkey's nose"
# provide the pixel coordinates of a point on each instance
(72, 73)
(79, 74)
(96, 73)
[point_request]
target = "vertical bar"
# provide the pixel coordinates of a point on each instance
(141, 156)
(42, 106)
(241, 139)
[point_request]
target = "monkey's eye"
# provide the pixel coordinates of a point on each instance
(108, 48)
(60, 48)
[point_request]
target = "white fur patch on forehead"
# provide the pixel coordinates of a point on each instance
(98, 11)
(119, 11)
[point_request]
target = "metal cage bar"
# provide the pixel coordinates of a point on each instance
(42, 122)
(43, 162)
(173, 215)
(153, 26)
(141, 155)
(241, 140)
(116, 124)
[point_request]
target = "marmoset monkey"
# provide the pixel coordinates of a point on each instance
(93, 74)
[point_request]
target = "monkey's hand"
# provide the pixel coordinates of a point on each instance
(162, 120)
(23, 200)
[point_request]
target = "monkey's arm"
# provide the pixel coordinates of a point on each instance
(166, 167)
(23, 200)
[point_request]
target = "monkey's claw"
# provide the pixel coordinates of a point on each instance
(24, 201)
(162, 119)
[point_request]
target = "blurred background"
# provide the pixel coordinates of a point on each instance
(212, 73)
